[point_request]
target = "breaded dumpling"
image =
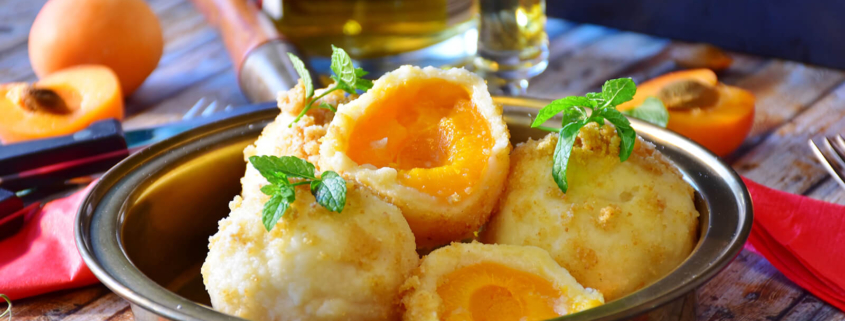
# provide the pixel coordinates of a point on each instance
(474, 281)
(302, 139)
(429, 141)
(619, 227)
(315, 264)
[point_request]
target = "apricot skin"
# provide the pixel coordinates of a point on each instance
(90, 93)
(124, 35)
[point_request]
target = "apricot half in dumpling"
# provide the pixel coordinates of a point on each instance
(431, 142)
(473, 282)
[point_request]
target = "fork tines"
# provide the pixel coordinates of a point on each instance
(832, 157)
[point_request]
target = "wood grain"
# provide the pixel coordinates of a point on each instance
(15, 21)
(784, 160)
(749, 288)
(101, 309)
(59, 304)
(580, 71)
(828, 190)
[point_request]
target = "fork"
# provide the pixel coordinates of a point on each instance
(209, 109)
(832, 157)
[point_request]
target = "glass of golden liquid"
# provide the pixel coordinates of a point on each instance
(512, 42)
(379, 34)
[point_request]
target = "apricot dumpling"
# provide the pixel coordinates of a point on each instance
(474, 281)
(619, 227)
(429, 141)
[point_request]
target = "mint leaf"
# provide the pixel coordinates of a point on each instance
(652, 111)
(270, 190)
(282, 167)
(303, 74)
(331, 191)
(363, 84)
(276, 207)
(559, 105)
(269, 169)
(563, 149)
(342, 67)
(603, 107)
(623, 129)
(339, 84)
(617, 91)
(594, 96)
(574, 114)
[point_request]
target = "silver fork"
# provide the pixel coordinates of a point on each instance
(832, 157)
(201, 108)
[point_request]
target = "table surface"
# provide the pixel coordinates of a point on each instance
(794, 102)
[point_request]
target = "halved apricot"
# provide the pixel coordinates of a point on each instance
(652, 87)
(489, 282)
(490, 291)
(430, 132)
(715, 115)
(60, 104)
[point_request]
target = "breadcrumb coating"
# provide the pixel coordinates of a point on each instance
(314, 264)
(421, 301)
(620, 227)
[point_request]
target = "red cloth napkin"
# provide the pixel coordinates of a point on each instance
(803, 238)
(42, 257)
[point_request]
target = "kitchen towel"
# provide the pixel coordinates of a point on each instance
(803, 238)
(42, 256)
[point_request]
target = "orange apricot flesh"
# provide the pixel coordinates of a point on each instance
(721, 126)
(652, 87)
(490, 291)
(430, 132)
(88, 93)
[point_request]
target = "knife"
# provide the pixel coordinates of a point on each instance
(258, 50)
(92, 150)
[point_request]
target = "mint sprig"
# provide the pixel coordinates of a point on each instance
(651, 110)
(329, 190)
(574, 110)
(346, 77)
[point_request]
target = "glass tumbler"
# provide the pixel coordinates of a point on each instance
(512, 40)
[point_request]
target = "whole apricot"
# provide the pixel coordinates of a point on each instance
(123, 35)
(60, 104)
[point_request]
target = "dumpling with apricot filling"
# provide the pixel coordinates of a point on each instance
(431, 142)
(474, 281)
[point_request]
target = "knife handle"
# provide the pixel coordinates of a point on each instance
(242, 25)
(10, 205)
(50, 161)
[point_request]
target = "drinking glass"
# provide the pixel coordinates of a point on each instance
(512, 41)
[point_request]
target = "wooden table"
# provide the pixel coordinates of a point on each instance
(794, 102)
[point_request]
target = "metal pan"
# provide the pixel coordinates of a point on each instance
(144, 228)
